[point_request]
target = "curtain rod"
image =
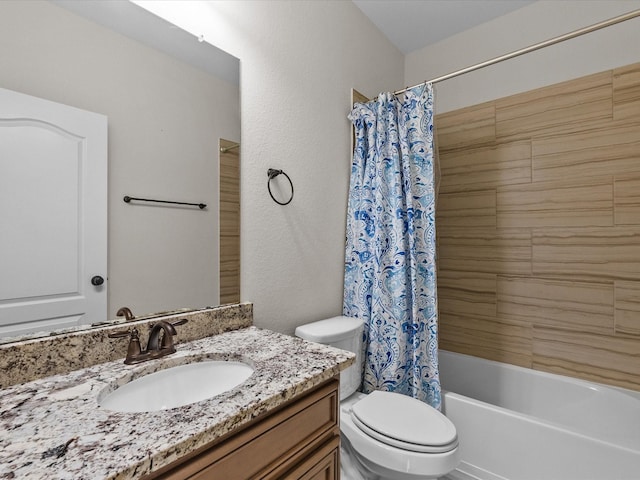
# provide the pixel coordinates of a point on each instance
(537, 46)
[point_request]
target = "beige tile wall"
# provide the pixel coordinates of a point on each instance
(539, 228)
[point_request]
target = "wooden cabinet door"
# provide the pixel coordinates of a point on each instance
(304, 431)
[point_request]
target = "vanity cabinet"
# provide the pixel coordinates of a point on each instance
(299, 440)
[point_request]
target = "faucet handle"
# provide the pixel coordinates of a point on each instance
(119, 334)
(171, 325)
(182, 321)
(134, 351)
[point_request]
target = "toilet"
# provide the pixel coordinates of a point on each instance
(384, 435)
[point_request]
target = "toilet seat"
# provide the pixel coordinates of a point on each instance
(404, 422)
(388, 461)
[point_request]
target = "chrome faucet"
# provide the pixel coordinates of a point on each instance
(160, 341)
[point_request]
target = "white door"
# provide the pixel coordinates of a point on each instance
(53, 215)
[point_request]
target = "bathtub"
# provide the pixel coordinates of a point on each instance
(519, 424)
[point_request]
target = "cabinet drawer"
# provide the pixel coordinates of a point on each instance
(268, 444)
(324, 464)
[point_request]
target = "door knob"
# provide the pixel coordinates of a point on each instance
(97, 280)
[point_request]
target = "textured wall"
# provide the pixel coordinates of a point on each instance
(539, 228)
(298, 63)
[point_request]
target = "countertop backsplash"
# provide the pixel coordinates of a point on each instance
(29, 360)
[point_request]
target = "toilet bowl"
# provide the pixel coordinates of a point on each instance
(385, 435)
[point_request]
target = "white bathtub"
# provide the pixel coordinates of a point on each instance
(520, 424)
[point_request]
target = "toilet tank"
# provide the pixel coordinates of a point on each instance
(344, 333)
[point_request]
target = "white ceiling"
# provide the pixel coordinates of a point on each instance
(413, 24)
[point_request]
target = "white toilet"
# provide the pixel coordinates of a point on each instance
(384, 435)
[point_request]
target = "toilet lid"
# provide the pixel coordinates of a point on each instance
(404, 422)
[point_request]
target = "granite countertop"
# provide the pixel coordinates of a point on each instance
(54, 428)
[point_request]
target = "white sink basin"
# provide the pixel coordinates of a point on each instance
(177, 386)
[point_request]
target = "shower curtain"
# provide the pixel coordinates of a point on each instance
(390, 272)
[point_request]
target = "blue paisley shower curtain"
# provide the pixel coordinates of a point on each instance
(390, 272)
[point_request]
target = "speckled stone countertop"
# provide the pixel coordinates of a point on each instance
(53, 428)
